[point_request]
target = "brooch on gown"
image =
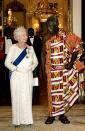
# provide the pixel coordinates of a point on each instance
(27, 52)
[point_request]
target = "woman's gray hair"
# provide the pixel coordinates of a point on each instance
(18, 31)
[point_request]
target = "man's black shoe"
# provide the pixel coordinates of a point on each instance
(64, 119)
(50, 120)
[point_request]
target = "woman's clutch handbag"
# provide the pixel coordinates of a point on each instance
(35, 81)
(79, 65)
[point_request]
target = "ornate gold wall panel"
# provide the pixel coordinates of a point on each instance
(31, 7)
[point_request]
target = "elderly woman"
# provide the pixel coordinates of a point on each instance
(21, 61)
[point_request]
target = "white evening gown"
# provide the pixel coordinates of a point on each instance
(21, 84)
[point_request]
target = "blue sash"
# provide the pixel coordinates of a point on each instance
(18, 60)
(20, 57)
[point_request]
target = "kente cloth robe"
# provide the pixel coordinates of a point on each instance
(21, 84)
(62, 84)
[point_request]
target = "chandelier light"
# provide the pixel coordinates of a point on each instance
(10, 20)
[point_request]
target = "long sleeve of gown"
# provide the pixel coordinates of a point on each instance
(8, 61)
(34, 60)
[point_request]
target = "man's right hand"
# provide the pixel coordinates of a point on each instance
(69, 66)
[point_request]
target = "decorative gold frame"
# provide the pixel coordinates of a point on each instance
(19, 12)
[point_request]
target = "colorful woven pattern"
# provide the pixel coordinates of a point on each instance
(62, 84)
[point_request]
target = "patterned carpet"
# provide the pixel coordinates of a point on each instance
(76, 115)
